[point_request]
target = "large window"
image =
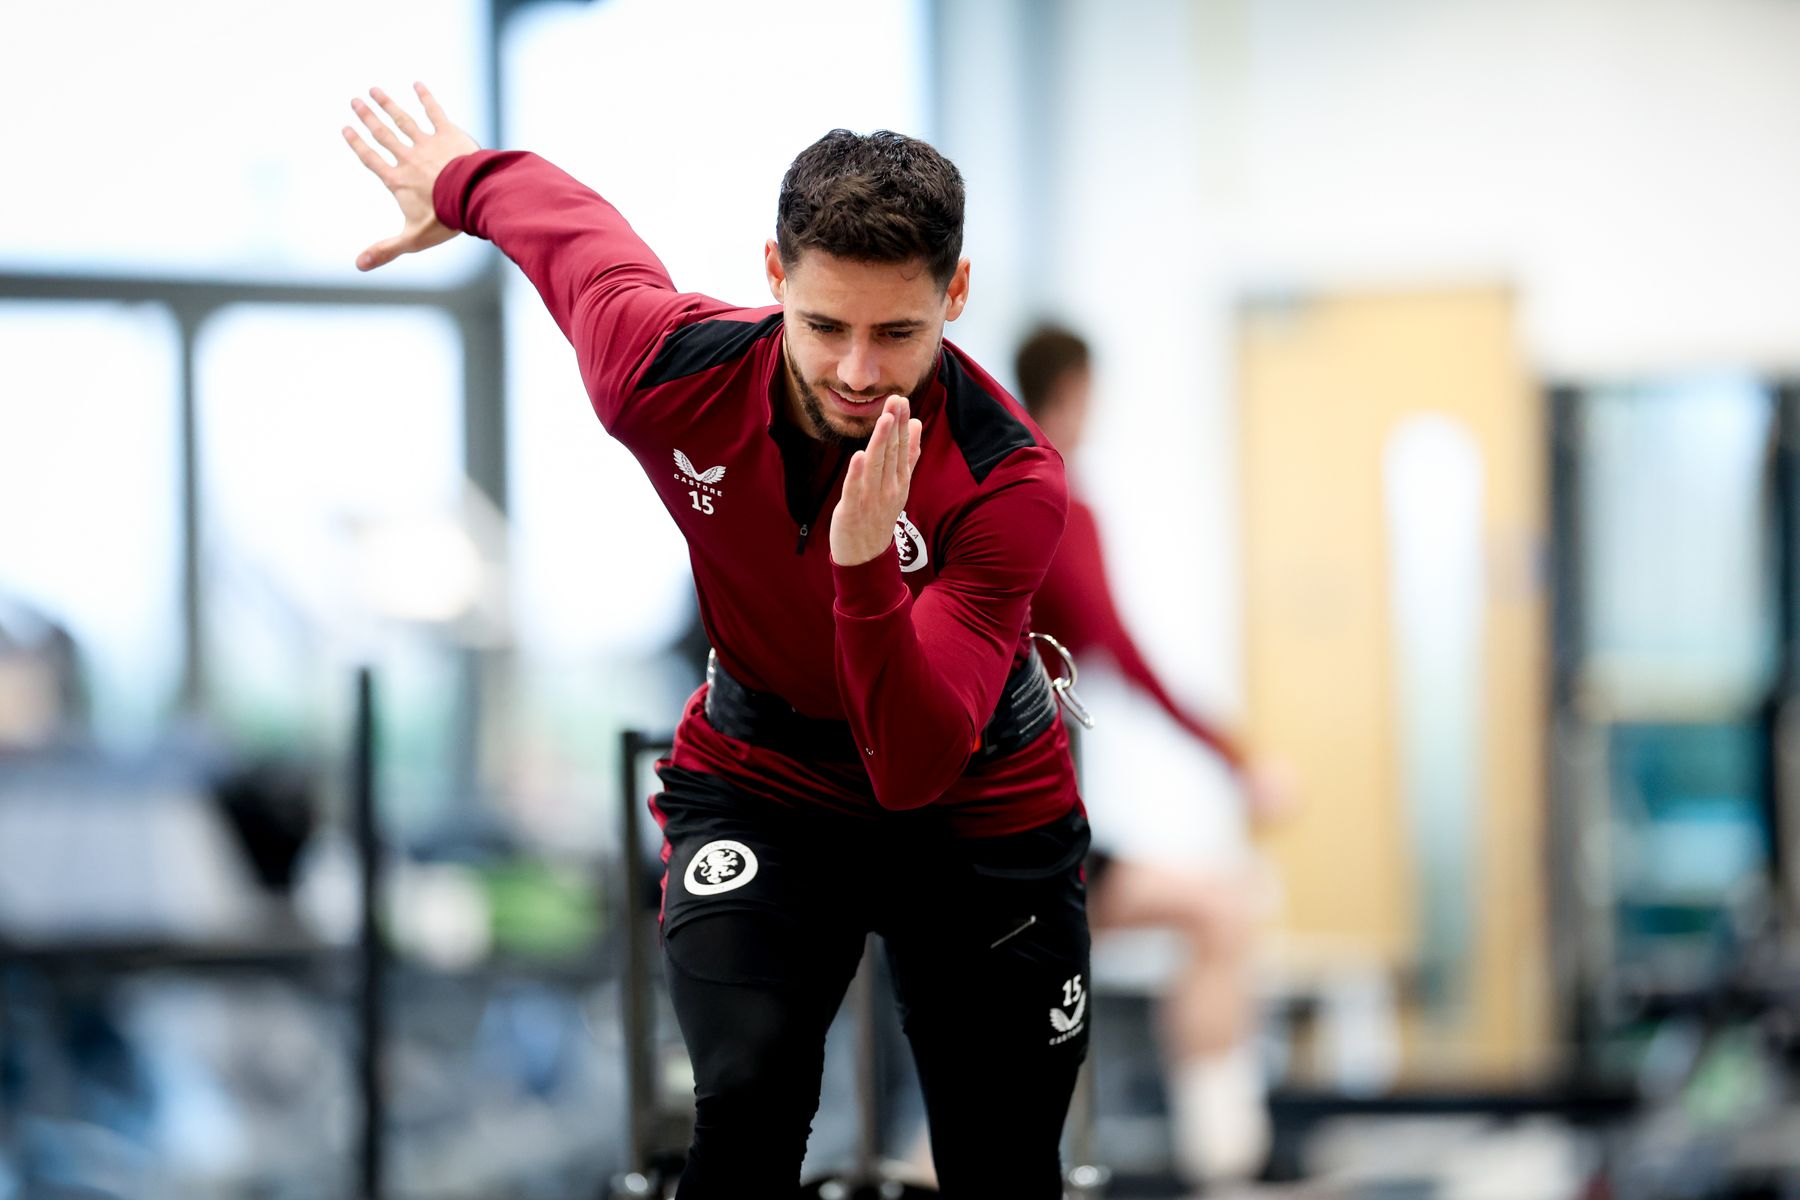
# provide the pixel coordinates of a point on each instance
(321, 432)
(1677, 648)
(201, 140)
(89, 489)
(1679, 578)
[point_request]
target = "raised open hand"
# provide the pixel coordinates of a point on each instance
(419, 156)
(876, 484)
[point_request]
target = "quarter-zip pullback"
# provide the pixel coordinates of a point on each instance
(806, 512)
(809, 474)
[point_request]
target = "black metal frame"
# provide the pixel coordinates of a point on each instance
(635, 985)
(371, 999)
(1585, 987)
(474, 307)
(1784, 709)
(1571, 956)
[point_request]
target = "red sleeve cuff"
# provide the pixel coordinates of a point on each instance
(870, 589)
(451, 186)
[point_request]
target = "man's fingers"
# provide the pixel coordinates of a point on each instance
(915, 443)
(390, 141)
(897, 450)
(367, 154)
(877, 449)
(433, 110)
(402, 119)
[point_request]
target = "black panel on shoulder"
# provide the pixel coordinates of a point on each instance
(705, 345)
(984, 428)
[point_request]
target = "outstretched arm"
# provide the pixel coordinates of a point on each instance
(604, 288)
(419, 158)
(1076, 603)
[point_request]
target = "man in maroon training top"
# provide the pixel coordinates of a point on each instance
(876, 747)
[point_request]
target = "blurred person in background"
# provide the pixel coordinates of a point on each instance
(43, 700)
(1216, 1088)
(876, 747)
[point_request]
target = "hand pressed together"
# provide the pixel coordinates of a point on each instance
(419, 157)
(875, 486)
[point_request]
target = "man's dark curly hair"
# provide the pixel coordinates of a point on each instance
(881, 197)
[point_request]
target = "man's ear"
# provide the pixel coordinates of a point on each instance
(776, 272)
(956, 294)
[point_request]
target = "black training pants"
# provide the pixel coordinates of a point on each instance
(766, 910)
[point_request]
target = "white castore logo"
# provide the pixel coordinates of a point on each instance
(1067, 1020)
(702, 485)
(720, 867)
(910, 543)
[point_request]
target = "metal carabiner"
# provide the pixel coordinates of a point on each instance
(1064, 685)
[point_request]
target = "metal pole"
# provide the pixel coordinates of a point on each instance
(636, 984)
(370, 1006)
(193, 634)
(868, 1139)
(1782, 798)
(1572, 823)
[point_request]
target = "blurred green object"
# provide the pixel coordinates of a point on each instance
(542, 910)
(1731, 1083)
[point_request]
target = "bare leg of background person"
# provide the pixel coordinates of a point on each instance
(1217, 1097)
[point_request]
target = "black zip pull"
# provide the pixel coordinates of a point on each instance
(800, 546)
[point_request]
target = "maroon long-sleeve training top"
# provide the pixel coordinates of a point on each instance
(1075, 605)
(911, 648)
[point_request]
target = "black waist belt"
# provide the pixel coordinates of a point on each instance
(1027, 708)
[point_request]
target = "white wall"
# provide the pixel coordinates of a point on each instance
(984, 121)
(1630, 167)
(1629, 163)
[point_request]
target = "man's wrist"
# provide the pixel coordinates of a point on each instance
(871, 587)
(855, 556)
(447, 189)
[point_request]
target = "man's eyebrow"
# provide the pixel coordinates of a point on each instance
(822, 319)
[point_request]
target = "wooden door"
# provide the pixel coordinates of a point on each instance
(1328, 387)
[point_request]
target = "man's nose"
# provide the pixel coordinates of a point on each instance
(859, 369)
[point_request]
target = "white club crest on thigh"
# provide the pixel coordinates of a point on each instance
(720, 866)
